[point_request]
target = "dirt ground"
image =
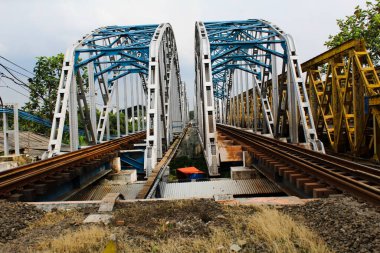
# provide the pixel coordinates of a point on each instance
(191, 226)
(162, 226)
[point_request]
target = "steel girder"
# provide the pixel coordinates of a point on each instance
(344, 90)
(236, 63)
(107, 55)
(165, 105)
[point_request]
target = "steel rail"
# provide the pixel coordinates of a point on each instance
(16, 178)
(315, 164)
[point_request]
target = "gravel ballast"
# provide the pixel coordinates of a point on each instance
(15, 216)
(345, 224)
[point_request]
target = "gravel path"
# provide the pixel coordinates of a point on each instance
(345, 224)
(14, 217)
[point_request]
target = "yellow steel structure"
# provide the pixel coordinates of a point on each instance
(344, 90)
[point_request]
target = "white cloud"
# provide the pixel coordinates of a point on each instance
(3, 49)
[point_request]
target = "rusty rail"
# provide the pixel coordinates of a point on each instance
(303, 172)
(16, 178)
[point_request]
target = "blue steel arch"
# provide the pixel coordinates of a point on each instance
(129, 43)
(230, 42)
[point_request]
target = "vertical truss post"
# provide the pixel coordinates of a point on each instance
(91, 87)
(16, 135)
(242, 122)
(254, 98)
(117, 108)
(247, 105)
(236, 101)
(73, 115)
(126, 117)
(6, 134)
(275, 94)
(143, 101)
(133, 102)
(138, 104)
(292, 106)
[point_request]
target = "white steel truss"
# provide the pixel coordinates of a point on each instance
(240, 82)
(138, 62)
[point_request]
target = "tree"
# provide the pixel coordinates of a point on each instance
(44, 85)
(363, 24)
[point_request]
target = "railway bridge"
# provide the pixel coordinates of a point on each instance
(255, 109)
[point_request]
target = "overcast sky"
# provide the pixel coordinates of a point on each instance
(31, 28)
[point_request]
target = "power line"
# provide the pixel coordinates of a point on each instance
(15, 71)
(20, 84)
(7, 86)
(16, 65)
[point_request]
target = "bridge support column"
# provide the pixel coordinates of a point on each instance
(15, 130)
(116, 164)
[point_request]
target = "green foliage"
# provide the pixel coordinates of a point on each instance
(43, 92)
(363, 24)
(191, 115)
(43, 86)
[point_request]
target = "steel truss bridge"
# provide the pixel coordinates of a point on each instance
(140, 62)
(248, 75)
(250, 95)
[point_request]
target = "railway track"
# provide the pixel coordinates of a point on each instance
(38, 177)
(306, 173)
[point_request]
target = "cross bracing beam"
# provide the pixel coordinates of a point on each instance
(344, 89)
(237, 66)
(113, 60)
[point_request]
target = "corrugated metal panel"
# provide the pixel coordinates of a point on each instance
(98, 192)
(210, 188)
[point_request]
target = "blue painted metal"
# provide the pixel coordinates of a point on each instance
(230, 43)
(134, 159)
(129, 43)
(68, 187)
(33, 118)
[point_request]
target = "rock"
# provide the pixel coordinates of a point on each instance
(235, 248)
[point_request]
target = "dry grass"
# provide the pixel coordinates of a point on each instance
(283, 234)
(53, 218)
(266, 229)
(86, 239)
(49, 219)
(255, 229)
